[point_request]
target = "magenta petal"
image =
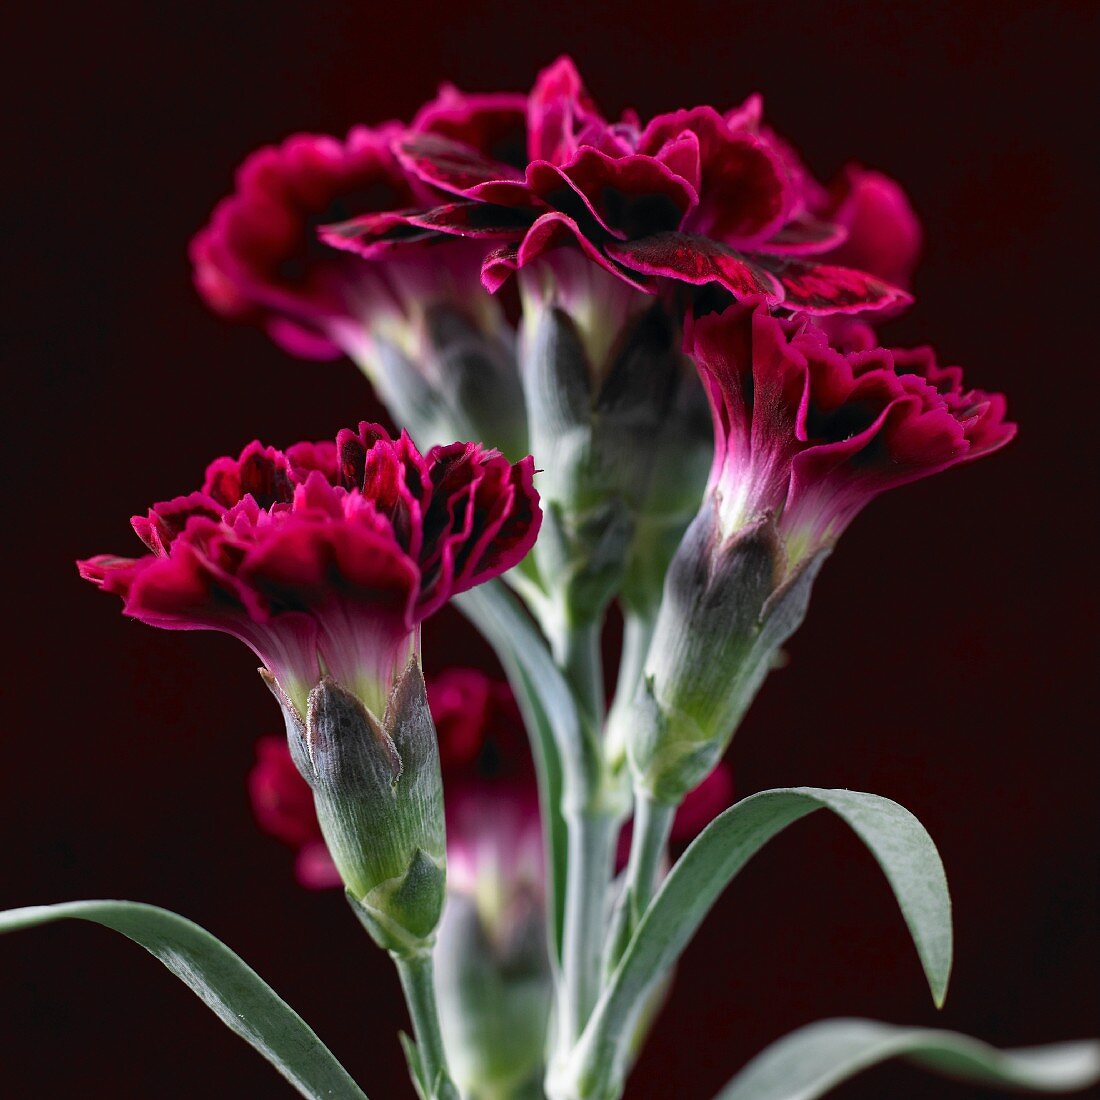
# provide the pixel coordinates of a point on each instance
(631, 196)
(884, 235)
(301, 340)
(512, 193)
(372, 234)
(475, 219)
(556, 110)
(806, 236)
(823, 288)
(448, 164)
(696, 260)
(493, 123)
(743, 190)
(681, 155)
(555, 229)
(498, 266)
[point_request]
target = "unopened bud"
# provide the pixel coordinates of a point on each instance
(494, 987)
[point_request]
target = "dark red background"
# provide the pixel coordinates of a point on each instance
(947, 659)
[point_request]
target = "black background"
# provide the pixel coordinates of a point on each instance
(948, 658)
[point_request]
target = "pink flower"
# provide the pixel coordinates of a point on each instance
(491, 802)
(436, 347)
(809, 434)
(693, 196)
(326, 558)
(258, 259)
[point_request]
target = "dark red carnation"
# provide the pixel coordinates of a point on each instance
(328, 556)
(693, 196)
(809, 433)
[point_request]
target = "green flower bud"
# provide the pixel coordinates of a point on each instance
(494, 989)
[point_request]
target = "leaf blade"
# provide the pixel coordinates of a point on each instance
(228, 986)
(812, 1060)
(897, 840)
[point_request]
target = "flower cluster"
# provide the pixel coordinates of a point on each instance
(324, 559)
(694, 196)
(689, 297)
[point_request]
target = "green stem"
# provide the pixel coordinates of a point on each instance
(591, 850)
(652, 826)
(590, 837)
(577, 652)
(637, 632)
(649, 839)
(418, 985)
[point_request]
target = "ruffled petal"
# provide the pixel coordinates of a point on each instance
(696, 260)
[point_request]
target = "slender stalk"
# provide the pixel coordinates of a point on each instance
(652, 826)
(592, 828)
(591, 851)
(418, 985)
(648, 842)
(577, 652)
(637, 632)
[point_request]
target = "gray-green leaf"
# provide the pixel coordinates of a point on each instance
(240, 998)
(897, 840)
(809, 1062)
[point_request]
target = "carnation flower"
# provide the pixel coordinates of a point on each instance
(695, 196)
(258, 258)
(436, 347)
(808, 434)
(805, 436)
(325, 559)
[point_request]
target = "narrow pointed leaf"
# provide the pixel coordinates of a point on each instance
(809, 1062)
(897, 840)
(239, 997)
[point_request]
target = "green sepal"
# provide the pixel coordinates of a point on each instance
(416, 1066)
(402, 913)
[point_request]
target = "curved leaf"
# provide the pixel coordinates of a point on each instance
(240, 998)
(809, 1062)
(897, 840)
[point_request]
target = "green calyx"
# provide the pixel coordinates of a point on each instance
(623, 444)
(378, 793)
(728, 606)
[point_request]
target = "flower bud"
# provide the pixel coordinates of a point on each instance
(379, 798)
(494, 989)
